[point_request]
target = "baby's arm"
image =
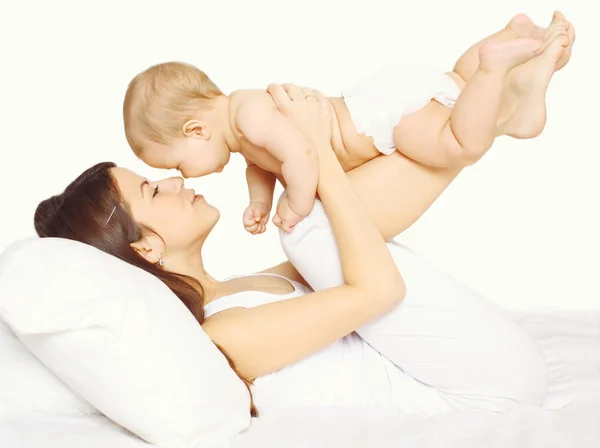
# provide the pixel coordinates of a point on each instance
(264, 126)
(261, 185)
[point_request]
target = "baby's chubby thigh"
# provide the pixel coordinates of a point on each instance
(427, 111)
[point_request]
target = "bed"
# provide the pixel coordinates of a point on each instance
(570, 341)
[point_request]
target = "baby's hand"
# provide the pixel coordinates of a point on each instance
(256, 216)
(286, 218)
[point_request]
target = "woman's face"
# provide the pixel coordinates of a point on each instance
(182, 218)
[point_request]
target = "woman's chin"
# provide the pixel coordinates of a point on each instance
(211, 216)
(203, 227)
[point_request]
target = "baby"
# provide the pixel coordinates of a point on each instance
(176, 117)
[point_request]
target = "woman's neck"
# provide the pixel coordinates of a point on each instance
(193, 266)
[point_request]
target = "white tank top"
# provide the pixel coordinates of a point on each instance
(349, 372)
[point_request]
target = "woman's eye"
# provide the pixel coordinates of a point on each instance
(155, 191)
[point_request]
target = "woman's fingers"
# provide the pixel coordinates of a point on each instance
(294, 92)
(307, 91)
(322, 99)
(285, 94)
(280, 96)
(308, 108)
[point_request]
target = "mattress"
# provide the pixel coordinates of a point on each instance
(570, 417)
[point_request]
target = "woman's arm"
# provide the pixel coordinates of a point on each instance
(269, 337)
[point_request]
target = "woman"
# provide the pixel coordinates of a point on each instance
(301, 347)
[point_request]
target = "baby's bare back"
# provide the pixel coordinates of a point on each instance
(352, 149)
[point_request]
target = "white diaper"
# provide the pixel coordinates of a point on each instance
(378, 103)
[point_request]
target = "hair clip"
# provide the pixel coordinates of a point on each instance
(111, 214)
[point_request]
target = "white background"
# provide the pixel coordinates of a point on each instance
(521, 226)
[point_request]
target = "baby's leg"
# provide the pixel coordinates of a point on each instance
(443, 137)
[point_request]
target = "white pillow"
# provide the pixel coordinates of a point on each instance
(119, 338)
(28, 387)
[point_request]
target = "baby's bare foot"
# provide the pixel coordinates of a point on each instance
(523, 112)
(522, 26)
(503, 56)
(559, 19)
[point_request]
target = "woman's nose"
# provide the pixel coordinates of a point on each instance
(174, 184)
(177, 183)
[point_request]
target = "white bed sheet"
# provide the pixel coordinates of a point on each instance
(570, 342)
(570, 418)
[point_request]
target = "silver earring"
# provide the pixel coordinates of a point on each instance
(160, 261)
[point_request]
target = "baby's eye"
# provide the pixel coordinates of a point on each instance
(155, 191)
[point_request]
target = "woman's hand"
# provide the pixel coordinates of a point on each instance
(309, 109)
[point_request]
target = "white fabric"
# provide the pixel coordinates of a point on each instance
(251, 299)
(570, 343)
(523, 427)
(378, 103)
(122, 340)
(27, 386)
(454, 349)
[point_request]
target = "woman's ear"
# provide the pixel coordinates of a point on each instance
(196, 128)
(151, 248)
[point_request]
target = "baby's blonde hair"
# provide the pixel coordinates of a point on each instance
(161, 99)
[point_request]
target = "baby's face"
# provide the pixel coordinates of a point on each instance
(193, 157)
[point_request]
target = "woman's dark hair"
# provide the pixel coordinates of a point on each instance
(91, 211)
